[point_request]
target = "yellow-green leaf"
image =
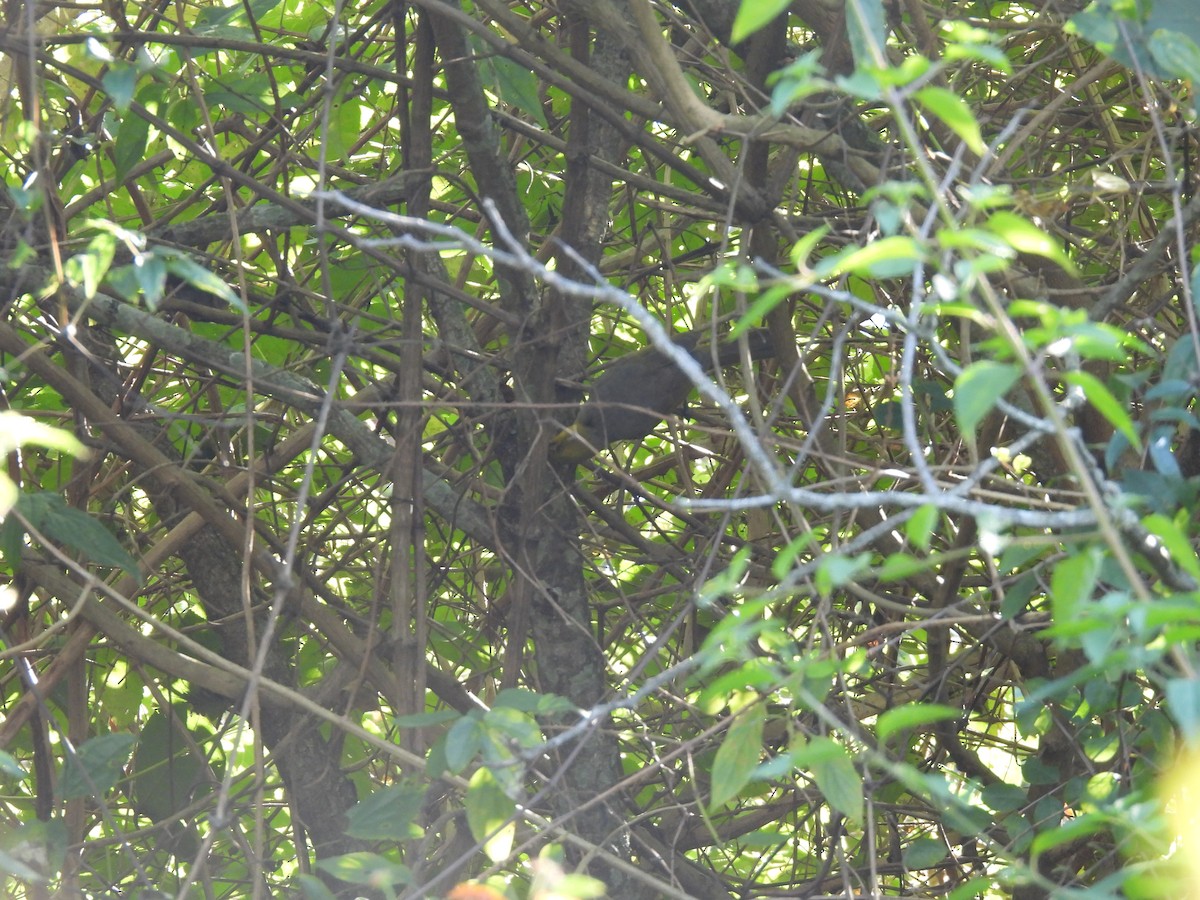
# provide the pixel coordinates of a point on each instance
(954, 111)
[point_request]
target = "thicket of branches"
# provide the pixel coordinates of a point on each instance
(304, 594)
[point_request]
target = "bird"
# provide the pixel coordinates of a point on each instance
(639, 391)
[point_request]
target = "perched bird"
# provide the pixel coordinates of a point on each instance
(638, 391)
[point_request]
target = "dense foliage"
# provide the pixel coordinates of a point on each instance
(310, 591)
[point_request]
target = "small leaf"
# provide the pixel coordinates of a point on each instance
(737, 757)
(978, 389)
(489, 811)
(86, 270)
(898, 566)
(1176, 542)
(886, 258)
(366, 868)
(954, 111)
(17, 430)
(387, 814)
(726, 581)
(785, 559)
(10, 767)
(1183, 703)
(1025, 237)
(463, 741)
(834, 772)
(1003, 798)
(518, 86)
(1106, 404)
(836, 569)
(866, 28)
(924, 853)
(119, 82)
(1072, 583)
(76, 529)
(203, 279)
(901, 718)
(922, 526)
(1176, 54)
(753, 15)
(1068, 831)
(96, 765)
(129, 147)
(312, 888)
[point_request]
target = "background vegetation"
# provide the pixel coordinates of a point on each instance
(301, 598)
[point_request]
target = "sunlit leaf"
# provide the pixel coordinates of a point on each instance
(1106, 404)
(1024, 236)
(752, 15)
(832, 769)
(489, 810)
(914, 715)
(954, 111)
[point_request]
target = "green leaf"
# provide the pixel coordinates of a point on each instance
(120, 82)
(836, 569)
(366, 868)
(1025, 237)
(902, 718)
(898, 566)
(17, 430)
(1004, 798)
(1072, 583)
(463, 741)
(924, 853)
(922, 526)
(1150, 36)
(95, 766)
(166, 776)
(887, 258)
(1106, 404)
(86, 270)
(386, 815)
(1068, 831)
(73, 528)
(726, 581)
(518, 86)
(795, 81)
(426, 719)
(753, 15)
(867, 29)
(1183, 703)
(954, 111)
(203, 279)
(345, 128)
(785, 559)
(1176, 54)
(1176, 541)
(489, 811)
(978, 388)
(312, 888)
(10, 767)
(129, 147)
(832, 769)
(33, 851)
(738, 755)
